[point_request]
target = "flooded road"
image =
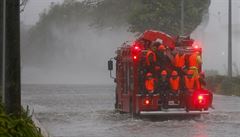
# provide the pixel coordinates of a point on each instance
(88, 111)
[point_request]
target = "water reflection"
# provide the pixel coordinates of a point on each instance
(201, 129)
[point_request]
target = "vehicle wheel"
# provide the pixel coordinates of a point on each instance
(116, 103)
(116, 99)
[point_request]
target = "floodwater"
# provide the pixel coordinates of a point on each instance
(88, 111)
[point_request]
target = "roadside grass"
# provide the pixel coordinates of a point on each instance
(224, 85)
(11, 126)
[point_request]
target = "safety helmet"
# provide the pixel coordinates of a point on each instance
(174, 73)
(149, 74)
(161, 48)
(164, 72)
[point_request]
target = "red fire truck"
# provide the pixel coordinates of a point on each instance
(131, 69)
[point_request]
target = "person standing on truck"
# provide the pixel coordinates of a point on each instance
(150, 83)
(154, 46)
(179, 62)
(194, 62)
(163, 87)
(163, 84)
(174, 82)
(163, 59)
(161, 55)
(191, 83)
(151, 60)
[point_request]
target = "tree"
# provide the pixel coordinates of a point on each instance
(135, 15)
(165, 15)
(12, 82)
(1, 44)
(139, 15)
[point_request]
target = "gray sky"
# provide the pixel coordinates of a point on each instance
(33, 8)
(214, 35)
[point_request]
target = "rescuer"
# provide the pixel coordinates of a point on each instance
(194, 62)
(163, 85)
(163, 82)
(162, 57)
(150, 83)
(174, 82)
(154, 46)
(191, 82)
(151, 60)
(179, 62)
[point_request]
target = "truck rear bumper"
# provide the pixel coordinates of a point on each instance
(173, 112)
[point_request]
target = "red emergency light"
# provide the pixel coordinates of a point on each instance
(196, 45)
(136, 48)
(135, 51)
(147, 102)
(200, 99)
(134, 57)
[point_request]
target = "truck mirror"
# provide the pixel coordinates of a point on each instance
(110, 65)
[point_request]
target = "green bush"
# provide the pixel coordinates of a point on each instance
(224, 85)
(11, 126)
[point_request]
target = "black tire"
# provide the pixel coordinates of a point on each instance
(116, 99)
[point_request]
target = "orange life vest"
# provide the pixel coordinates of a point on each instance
(174, 83)
(150, 53)
(149, 84)
(179, 61)
(193, 60)
(191, 82)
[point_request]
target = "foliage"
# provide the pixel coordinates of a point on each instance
(139, 14)
(224, 85)
(135, 15)
(17, 127)
(211, 72)
(165, 15)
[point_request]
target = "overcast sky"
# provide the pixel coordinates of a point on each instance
(33, 8)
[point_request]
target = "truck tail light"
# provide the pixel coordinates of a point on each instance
(147, 102)
(200, 99)
(135, 57)
(136, 48)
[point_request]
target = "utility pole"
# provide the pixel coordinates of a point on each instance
(182, 17)
(12, 96)
(1, 45)
(230, 39)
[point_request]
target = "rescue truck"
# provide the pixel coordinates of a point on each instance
(132, 69)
